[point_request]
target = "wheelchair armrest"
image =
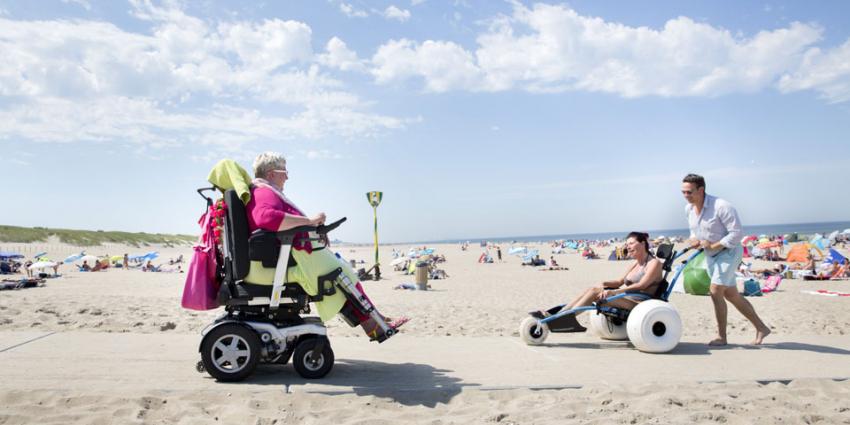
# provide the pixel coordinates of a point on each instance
(288, 234)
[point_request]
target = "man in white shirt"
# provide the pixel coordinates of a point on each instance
(716, 228)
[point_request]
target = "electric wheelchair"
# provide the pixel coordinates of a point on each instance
(267, 323)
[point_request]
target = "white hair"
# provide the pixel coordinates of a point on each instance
(266, 162)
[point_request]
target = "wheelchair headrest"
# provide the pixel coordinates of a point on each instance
(665, 253)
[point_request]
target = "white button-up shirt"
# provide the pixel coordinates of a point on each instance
(717, 222)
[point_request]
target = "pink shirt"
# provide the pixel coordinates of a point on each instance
(266, 211)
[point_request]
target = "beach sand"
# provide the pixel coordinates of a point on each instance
(477, 300)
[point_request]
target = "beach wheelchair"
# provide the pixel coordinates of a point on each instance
(652, 326)
(266, 323)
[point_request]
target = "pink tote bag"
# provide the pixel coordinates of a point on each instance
(201, 289)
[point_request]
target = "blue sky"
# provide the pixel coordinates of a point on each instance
(476, 118)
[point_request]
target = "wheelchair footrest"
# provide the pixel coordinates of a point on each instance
(566, 323)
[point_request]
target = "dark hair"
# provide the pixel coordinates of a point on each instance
(695, 179)
(641, 238)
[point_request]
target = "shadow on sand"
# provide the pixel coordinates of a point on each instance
(410, 384)
(702, 349)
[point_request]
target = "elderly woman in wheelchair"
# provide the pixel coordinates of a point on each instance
(275, 261)
(634, 307)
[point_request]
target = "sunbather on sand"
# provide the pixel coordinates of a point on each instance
(837, 271)
(778, 269)
(809, 265)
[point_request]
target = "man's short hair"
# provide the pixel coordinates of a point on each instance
(695, 179)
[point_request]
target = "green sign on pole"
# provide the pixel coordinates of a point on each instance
(374, 199)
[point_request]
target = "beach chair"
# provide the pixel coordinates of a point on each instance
(653, 326)
(771, 284)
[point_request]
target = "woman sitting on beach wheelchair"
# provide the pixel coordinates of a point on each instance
(276, 261)
(634, 307)
(644, 275)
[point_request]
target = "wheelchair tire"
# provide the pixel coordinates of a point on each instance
(305, 366)
(532, 332)
(230, 352)
(654, 326)
(606, 328)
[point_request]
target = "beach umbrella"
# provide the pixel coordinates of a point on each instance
(149, 256)
(749, 239)
(518, 250)
(90, 258)
(832, 236)
(4, 255)
(820, 242)
(834, 256)
(846, 232)
(531, 254)
(41, 265)
(75, 257)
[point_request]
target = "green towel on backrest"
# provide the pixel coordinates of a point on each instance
(227, 174)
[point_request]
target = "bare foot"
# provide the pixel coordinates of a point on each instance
(716, 342)
(760, 335)
(395, 324)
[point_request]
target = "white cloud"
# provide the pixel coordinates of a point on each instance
(143, 122)
(827, 72)
(184, 81)
(340, 56)
(351, 11)
(82, 3)
(443, 65)
(393, 12)
(551, 48)
(321, 154)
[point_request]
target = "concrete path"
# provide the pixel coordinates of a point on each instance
(108, 361)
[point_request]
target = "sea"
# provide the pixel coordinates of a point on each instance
(801, 229)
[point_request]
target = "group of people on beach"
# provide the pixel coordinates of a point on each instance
(714, 224)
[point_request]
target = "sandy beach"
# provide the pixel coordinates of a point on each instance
(477, 301)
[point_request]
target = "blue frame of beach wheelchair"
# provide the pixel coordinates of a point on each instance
(653, 326)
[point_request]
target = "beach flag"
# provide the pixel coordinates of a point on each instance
(374, 199)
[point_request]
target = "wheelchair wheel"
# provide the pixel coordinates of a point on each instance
(532, 331)
(230, 352)
(305, 365)
(607, 327)
(654, 326)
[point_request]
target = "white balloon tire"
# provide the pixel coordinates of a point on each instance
(527, 334)
(649, 315)
(604, 327)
